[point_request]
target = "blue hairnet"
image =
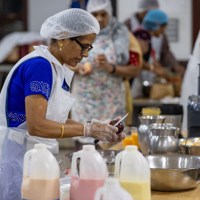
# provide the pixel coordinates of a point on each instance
(154, 19)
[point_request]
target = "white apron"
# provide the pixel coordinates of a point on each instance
(14, 142)
(190, 81)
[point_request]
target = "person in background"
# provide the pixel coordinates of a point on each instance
(101, 74)
(79, 4)
(160, 45)
(155, 22)
(36, 99)
(135, 21)
(190, 81)
(144, 39)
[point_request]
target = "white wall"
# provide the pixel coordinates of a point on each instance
(180, 9)
(39, 10)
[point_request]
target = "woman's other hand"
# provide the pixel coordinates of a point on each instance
(102, 62)
(85, 69)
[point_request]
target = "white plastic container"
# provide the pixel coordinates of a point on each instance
(112, 191)
(133, 172)
(41, 175)
(88, 173)
(64, 188)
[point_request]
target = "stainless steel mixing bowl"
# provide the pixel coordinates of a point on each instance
(190, 146)
(174, 172)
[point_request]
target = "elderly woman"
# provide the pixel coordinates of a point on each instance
(99, 86)
(35, 99)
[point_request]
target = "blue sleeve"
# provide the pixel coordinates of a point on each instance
(38, 77)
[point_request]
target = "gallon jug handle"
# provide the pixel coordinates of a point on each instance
(99, 194)
(118, 160)
(74, 169)
(27, 160)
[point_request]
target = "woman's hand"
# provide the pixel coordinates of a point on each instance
(85, 69)
(103, 130)
(103, 63)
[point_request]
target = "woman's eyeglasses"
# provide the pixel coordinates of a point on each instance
(84, 48)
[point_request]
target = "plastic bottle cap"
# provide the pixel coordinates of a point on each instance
(88, 147)
(131, 147)
(40, 146)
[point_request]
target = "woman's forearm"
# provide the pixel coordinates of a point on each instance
(50, 129)
(38, 125)
(127, 71)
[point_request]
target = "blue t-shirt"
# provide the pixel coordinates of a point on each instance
(33, 76)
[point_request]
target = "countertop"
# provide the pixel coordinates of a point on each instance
(156, 195)
(181, 195)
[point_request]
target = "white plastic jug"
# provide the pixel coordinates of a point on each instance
(112, 191)
(88, 173)
(133, 172)
(41, 175)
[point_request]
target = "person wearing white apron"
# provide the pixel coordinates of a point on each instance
(36, 99)
(109, 67)
(190, 81)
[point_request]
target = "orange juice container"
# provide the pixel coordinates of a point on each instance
(134, 135)
(128, 140)
(135, 140)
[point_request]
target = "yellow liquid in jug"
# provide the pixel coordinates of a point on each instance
(138, 190)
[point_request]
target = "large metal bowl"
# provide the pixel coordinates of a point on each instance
(190, 146)
(174, 172)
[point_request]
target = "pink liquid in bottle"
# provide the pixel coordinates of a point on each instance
(84, 189)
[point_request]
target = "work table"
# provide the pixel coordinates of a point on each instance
(181, 195)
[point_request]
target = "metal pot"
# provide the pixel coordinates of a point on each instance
(144, 132)
(163, 145)
(163, 138)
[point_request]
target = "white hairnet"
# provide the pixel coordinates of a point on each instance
(145, 5)
(96, 5)
(69, 23)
